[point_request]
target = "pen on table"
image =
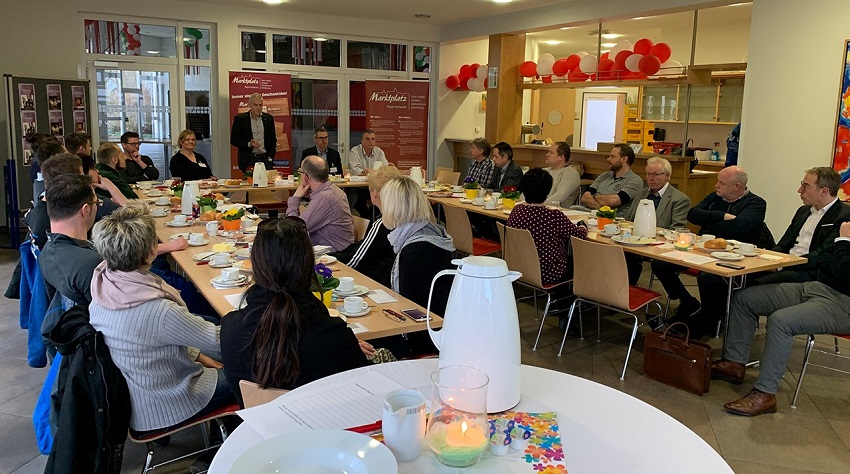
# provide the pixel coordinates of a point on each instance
(398, 315)
(372, 427)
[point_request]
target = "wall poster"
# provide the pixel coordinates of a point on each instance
(398, 113)
(841, 157)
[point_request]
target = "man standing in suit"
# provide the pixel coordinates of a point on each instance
(814, 226)
(253, 134)
(671, 206)
(505, 171)
(321, 137)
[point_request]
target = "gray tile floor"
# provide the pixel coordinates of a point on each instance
(812, 438)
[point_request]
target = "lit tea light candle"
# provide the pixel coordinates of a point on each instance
(459, 444)
(683, 241)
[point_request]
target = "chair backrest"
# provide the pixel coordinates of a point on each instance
(447, 176)
(520, 253)
(253, 395)
(269, 196)
(457, 225)
(361, 225)
(599, 273)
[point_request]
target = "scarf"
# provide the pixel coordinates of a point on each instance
(399, 236)
(120, 290)
(424, 231)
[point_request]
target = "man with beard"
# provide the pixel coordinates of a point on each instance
(616, 188)
(110, 160)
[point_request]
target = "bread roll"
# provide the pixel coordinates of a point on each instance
(715, 244)
(233, 182)
(176, 200)
(246, 264)
(219, 197)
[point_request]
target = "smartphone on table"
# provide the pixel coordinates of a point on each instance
(415, 314)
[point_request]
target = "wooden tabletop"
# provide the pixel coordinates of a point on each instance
(377, 324)
(456, 202)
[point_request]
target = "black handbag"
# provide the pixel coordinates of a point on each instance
(676, 361)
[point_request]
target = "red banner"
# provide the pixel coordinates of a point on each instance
(276, 90)
(398, 113)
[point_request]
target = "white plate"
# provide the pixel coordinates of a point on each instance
(202, 256)
(229, 263)
(243, 253)
(342, 311)
(178, 224)
(609, 235)
(217, 282)
(317, 451)
(250, 230)
(201, 244)
(429, 190)
(748, 254)
(459, 195)
(154, 193)
(160, 214)
(727, 255)
(326, 259)
(638, 242)
(358, 290)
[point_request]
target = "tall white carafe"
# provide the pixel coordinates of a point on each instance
(645, 222)
(191, 191)
(261, 176)
(481, 327)
(416, 175)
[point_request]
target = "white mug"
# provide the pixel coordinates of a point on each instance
(610, 229)
(163, 201)
(479, 201)
(229, 274)
(245, 223)
(196, 238)
(159, 212)
(145, 185)
(212, 228)
(180, 218)
(707, 237)
(345, 284)
(221, 258)
(744, 247)
(491, 204)
(496, 196)
(403, 423)
(222, 182)
(168, 182)
(457, 189)
(354, 304)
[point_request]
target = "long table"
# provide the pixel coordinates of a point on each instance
(377, 324)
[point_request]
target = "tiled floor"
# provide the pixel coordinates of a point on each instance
(813, 438)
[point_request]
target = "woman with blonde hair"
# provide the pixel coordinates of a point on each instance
(187, 164)
(422, 247)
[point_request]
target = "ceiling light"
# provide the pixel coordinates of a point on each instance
(273, 2)
(502, 1)
(553, 42)
(610, 36)
(609, 45)
(152, 52)
(261, 51)
(320, 38)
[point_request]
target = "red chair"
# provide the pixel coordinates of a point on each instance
(458, 226)
(810, 343)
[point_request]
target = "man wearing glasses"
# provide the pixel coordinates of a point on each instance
(138, 167)
(322, 149)
(814, 226)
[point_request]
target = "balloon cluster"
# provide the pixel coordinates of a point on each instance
(472, 77)
(625, 61)
(134, 42)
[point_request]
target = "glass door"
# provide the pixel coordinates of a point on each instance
(315, 103)
(131, 99)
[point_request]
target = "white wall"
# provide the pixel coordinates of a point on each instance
(790, 110)
(459, 112)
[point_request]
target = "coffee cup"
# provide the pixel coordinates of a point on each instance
(479, 201)
(221, 258)
(159, 212)
(145, 186)
(197, 239)
(168, 182)
(354, 305)
(491, 204)
(180, 219)
(403, 423)
(345, 284)
(219, 202)
(212, 228)
(457, 189)
(610, 229)
(163, 201)
(706, 237)
(222, 182)
(230, 274)
(744, 247)
(496, 196)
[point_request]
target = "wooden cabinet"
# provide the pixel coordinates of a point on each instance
(720, 102)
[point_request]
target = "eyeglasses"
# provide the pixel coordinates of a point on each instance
(322, 138)
(394, 315)
(807, 186)
(654, 175)
(133, 143)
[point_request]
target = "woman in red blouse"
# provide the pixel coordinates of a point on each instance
(550, 228)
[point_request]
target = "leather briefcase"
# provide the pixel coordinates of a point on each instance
(676, 361)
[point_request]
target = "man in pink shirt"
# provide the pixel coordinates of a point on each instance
(328, 216)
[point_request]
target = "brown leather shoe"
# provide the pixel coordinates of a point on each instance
(755, 403)
(732, 372)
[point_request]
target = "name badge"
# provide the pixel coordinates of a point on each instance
(202, 165)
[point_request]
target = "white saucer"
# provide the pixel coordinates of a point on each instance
(429, 190)
(193, 244)
(178, 224)
(748, 254)
(326, 259)
(158, 214)
(228, 264)
(219, 283)
(343, 312)
(356, 291)
(609, 235)
(727, 256)
(154, 193)
(202, 256)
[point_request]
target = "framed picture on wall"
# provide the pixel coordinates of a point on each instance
(841, 156)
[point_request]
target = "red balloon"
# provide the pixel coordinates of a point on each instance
(528, 69)
(577, 76)
(604, 68)
(486, 83)
(643, 46)
(572, 61)
(547, 79)
(560, 67)
(649, 65)
(464, 83)
(604, 55)
(662, 51)
(465, 71)
(636, 75)
(620, 59)
(473, 69)
(452, 82)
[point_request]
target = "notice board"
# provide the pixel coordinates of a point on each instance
(397, 111)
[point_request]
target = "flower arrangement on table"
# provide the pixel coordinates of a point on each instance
(471, 187)
(231, 219)
(327, 283)
(207, 202)
(249, 174)
(510, 195)
(177, 188)
(605, 215)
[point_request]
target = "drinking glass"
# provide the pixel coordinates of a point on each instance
(458, 429)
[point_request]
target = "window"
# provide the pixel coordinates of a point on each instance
(382, 56)
(196, 43)
(254, 47)
(421, 59)
(305, 50)
(130, 39)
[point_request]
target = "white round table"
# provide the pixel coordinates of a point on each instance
(602, 429)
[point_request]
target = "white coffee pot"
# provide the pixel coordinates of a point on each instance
(416, 175)
(191, 191)
(261, 176)
(645, 222)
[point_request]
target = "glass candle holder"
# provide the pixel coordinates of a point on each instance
(458, 428)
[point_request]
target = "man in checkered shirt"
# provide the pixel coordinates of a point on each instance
(481, 169)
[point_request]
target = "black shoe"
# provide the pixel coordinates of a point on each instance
(687, 308)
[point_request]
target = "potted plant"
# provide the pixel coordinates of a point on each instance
(471, 187)
(327, 283)
(207, 202)
(249, 175)
(510, 196)
(177, 188)
(231, 219)
(604, 216)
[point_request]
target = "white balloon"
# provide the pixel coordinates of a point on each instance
(544, 67)
(131, 29)
(588, 64)
(582, 54)
(481, 73)
(546, 56)
(624, 45)
(475, 84)
(633, 61)
(671, 68)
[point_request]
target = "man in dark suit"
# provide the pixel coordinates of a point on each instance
(321, 137)
(505, 171)
(814, 227)
(253, 134)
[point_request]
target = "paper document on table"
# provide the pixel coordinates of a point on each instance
(689, 257)
(346, 404)
(357, 328)
(236, 300)
(381, 297)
